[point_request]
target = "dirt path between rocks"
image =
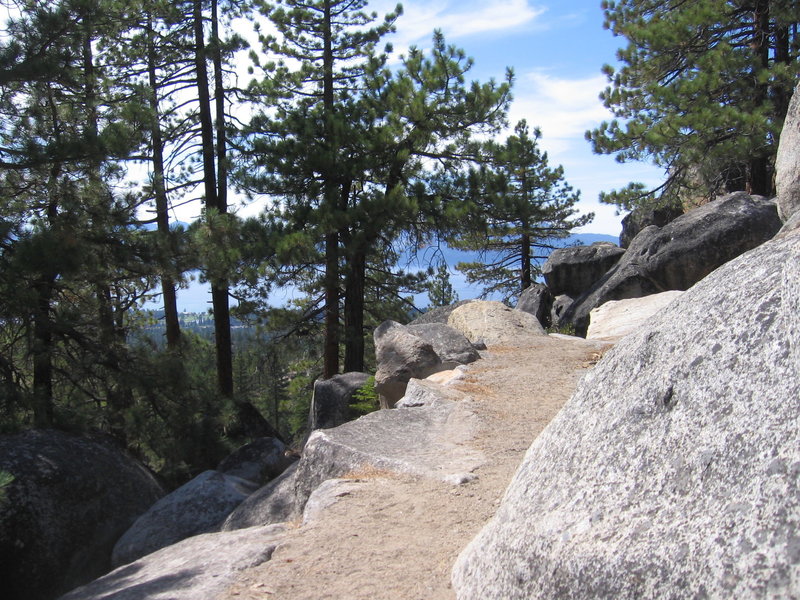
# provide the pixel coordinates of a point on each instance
(397, 537)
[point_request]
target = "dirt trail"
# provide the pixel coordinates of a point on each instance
(397, 537)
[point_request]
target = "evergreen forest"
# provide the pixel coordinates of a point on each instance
(113, 113)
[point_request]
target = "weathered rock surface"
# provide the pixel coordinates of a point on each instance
(787, 162)
(259, 461)
(199, 568)
(494, 323)
(71, 498)
(538, 301)
(198, 506)
(330, 403)
(560, 305)
(424, 392)
(439, 314)
(617, 318)
(680, 254)
(674, 470)
(401, 355)
(574, 269)
(639, 218)
(450, 345)
(275, 502)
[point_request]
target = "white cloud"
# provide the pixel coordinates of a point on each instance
(455, 19)
(562, 108)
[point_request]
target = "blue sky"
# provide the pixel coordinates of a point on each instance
(557, 49)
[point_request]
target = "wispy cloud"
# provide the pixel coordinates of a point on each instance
(562, 108)
(456, 19)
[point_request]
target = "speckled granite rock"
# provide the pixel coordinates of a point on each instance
(674, 470)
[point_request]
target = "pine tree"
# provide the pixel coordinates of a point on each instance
(702, 92)
(440, 290)
(525, 208)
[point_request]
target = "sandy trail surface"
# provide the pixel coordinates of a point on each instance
(397, 536)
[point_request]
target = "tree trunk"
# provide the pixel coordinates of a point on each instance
(171, 318)
(354, 310)
(219, 288)
(42, 352)
(759, 179)
(331, 281)
(525, 249)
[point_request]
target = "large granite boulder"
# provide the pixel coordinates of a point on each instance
(493, 322)
(275, 502)
(617, 318)
(438, 314)
(674, 470)
(259, 461)
(559, 308)
(641, 217)
(71, 498)
(450, 345)
(787, 163)
(198, 568)
(198, 506)
(330, 402)
(680, 254)
(537, 299)
(574, 269)
(420, 350)
(427, 441)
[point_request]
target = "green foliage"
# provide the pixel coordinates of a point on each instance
(6, 479)
(440, 290)
(366, 400)
(524, 207)
(702, 92)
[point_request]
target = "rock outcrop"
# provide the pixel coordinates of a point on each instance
(330, 402)
(639, 218)
(538, 301)
(617, 318)
(574, 269)
(438, 314)
(198, 506)
(787, 162)
(417, 351)
(680, 254)
(428, 441)
(71, 498)
(259, 461)
(674, 470)
(450, 345)
(197, 568)
(493, 322)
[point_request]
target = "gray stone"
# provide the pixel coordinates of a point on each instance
(537, 300)
(494, 323)
(641, 217)
(560, 305)
(674, 470)
(787, 162)
(259, 461)
(71, 498)
(401, 355)
(450, 345)
(198, 506)
(438, 314)
(428, 441)
(422, 392)
(617, 318)
(574, 269)
(330, 403)
(680, 254)
(198, 568)
(325, 496)
(276, 502)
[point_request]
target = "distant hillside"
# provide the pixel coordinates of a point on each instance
(197, 297)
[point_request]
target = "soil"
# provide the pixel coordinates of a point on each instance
(396, 536)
